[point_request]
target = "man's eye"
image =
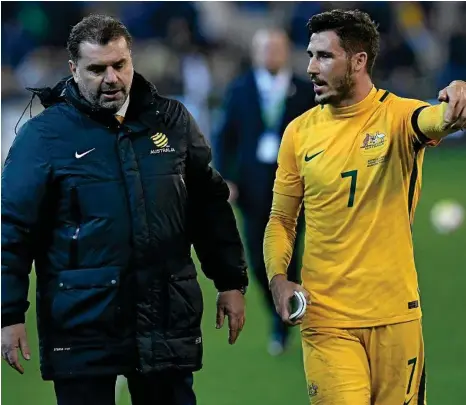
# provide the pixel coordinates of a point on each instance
(96, 70)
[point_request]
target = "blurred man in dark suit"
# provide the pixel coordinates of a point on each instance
(258, 107)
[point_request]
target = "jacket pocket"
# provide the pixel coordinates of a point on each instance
(185, 300)
(86, 299)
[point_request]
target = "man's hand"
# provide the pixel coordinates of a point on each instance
(14, 337)
(282, 290)
(455, 96)
(231, 304)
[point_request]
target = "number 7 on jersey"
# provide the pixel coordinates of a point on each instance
(354, 176)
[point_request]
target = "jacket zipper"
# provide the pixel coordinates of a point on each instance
(183, 183)
(76, 219)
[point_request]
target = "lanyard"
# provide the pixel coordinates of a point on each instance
(272, 113)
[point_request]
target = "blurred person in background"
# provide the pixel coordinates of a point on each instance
(355, 162)
(259, 105)
(106, 190)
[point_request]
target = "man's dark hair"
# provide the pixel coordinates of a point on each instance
(96, 29)
(356, 30)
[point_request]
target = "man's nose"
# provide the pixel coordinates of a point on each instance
(110, 76)
(313, 67)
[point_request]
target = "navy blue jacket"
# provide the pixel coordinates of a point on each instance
(108, 213)
(235, 142)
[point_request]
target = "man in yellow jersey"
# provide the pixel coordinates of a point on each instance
(355, 162)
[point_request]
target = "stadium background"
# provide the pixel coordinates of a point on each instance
(191, 51)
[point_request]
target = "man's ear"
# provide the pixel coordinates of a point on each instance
(359, 61)
(73, 68)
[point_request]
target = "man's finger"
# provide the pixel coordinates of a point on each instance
(461, 122)
(13, 360)
(9, 353)
(18, 367)
(243, 322)
(234, 326)
(220, 316)
(296, 322)
(285, 311)
(443, 95)
(23, 344)
(453, 110)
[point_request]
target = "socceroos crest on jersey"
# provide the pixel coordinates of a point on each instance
(374, 143)
(374, 147)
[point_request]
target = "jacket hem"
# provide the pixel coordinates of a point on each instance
(49, 376)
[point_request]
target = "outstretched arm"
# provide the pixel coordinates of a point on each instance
(436, 122)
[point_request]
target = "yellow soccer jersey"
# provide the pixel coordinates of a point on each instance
(357, 170)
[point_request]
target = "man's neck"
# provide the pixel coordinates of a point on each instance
(360, 92)
(122, 111)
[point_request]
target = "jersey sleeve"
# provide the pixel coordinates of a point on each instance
(432, 123)
(409, 110)
(288, 180)
(280, 234)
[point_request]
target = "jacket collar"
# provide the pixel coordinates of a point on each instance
(143, 94)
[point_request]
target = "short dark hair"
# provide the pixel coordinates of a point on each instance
(356, 30)
(96, 29)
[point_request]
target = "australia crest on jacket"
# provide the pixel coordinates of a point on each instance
(160, 140)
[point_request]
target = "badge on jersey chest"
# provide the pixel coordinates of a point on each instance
(374, 146)
(374, 143)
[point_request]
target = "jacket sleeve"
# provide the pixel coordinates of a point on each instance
(225, 139)
(25, 176)
(213, 225)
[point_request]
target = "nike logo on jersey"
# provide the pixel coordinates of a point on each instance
(309, 158)
(80, 155)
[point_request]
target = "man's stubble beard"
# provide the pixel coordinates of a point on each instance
(97, 103)
(113, 106)
(343, 90)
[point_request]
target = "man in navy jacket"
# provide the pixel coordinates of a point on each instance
(106, 191)
(259, 105)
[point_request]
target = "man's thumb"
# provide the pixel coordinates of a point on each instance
(220, 317)
(305, 293)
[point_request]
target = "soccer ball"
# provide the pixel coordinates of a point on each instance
(447, 216)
